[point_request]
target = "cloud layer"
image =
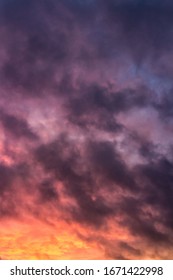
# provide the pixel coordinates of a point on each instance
(86, 129)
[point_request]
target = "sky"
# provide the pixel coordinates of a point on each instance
(86, 129)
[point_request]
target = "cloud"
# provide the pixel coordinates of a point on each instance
(48, 191)
(108, 163)
(159, 175)
(34, 47)
(18, 127)
(7, 175)
(9, 191)
(144, 28)
(62, 159)
(86, 126)
(164, 106)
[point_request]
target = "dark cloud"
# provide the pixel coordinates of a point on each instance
(106, 161)
(103, 121)
(95, 98)
(143, 27)
(148, 150)
(96, 106)
(35, 46)
(165, 106)
(160, 177)
(6, 178)
(8, 197)
(18, 127)
(48, 191)
(141, 224)
(62, 158)
(125, 246)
